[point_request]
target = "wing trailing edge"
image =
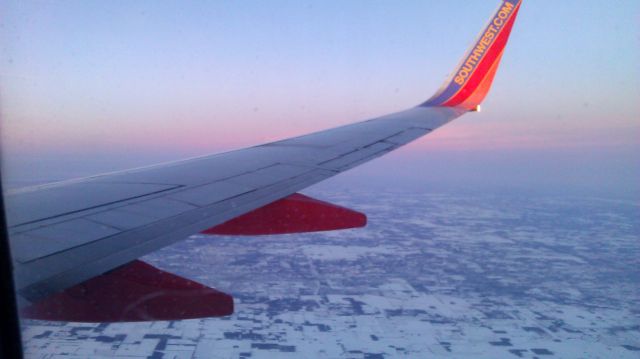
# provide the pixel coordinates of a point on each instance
(469, 84)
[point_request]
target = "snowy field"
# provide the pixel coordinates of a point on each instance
(432, 275)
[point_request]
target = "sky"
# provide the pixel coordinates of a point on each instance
(93, 86)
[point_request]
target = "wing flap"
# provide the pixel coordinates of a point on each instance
(53, 201)
(209, 194)
(45, 241)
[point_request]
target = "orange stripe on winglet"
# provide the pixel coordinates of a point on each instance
(483, 88)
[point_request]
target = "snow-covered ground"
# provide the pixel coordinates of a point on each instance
(432, 275)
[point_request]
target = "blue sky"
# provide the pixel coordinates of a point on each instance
(91, 86)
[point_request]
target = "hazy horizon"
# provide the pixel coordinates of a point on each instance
(96, 87)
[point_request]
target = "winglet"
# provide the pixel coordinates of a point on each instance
(470, 83)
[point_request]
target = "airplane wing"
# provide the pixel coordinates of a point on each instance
(76, 241)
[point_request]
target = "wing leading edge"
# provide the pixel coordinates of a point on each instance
(66, 233)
